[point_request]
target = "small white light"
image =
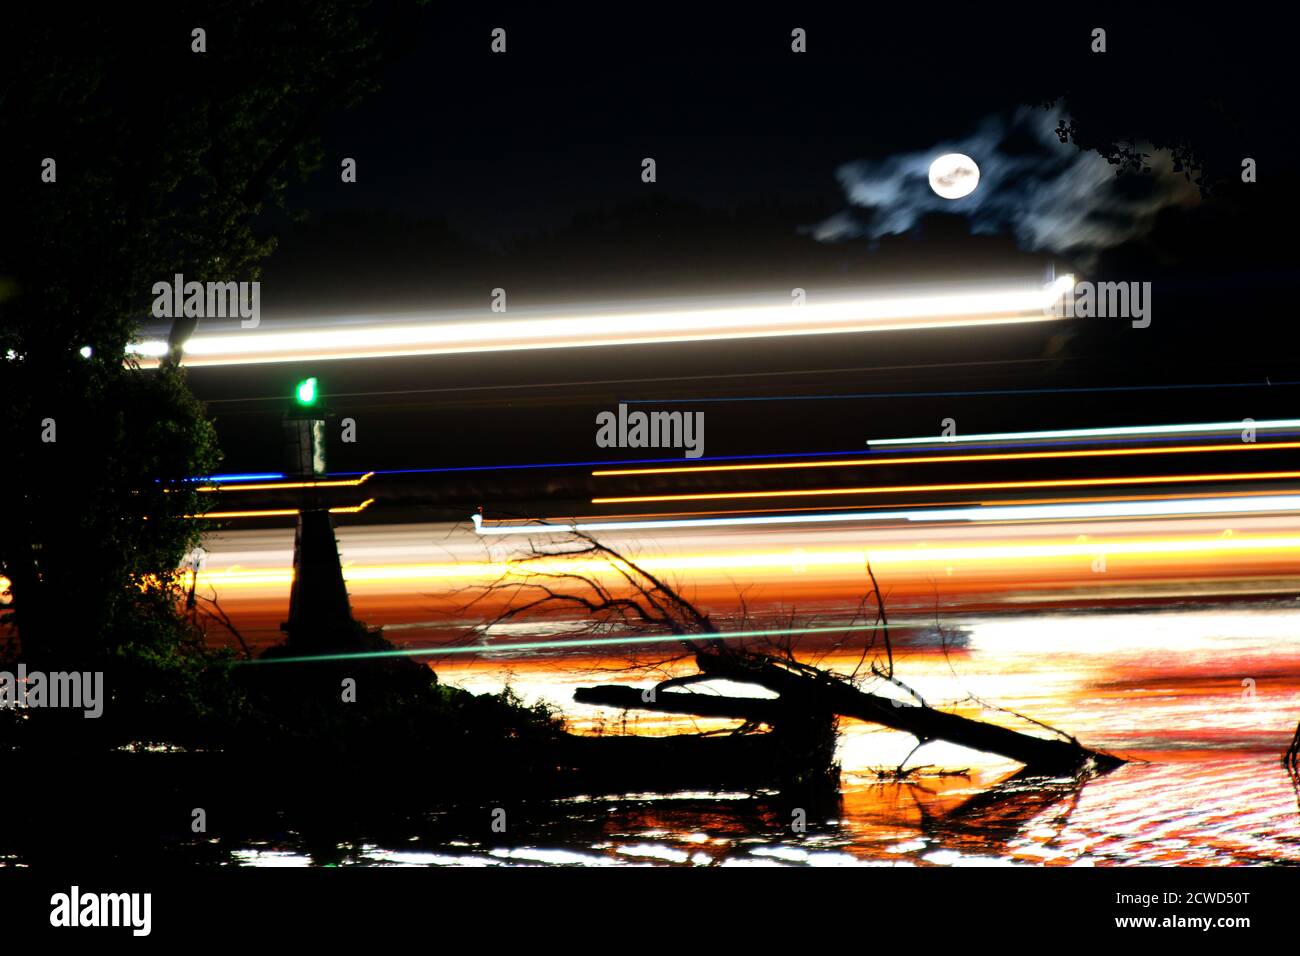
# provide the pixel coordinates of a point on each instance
(87, 351)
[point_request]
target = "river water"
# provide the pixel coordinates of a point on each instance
(1202, 700)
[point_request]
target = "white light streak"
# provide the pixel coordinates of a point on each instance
(381, 336)
(1186, 507)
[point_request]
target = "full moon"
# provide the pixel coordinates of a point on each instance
(954, 175)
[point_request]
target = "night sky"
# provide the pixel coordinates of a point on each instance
(522, 171)
(502, 145)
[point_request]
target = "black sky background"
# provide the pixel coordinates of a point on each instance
(522, 171)
(503, 144)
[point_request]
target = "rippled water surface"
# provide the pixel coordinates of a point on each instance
(1203, 702)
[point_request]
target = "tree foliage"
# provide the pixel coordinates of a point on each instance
(167, 161)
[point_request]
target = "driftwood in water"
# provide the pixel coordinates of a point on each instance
(805, 694)
(824, 693)
(756, 709)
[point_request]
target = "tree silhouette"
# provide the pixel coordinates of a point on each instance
(166, 160)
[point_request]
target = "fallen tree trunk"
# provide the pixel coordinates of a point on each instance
(825, 694)
(757, 709)
(805, 694)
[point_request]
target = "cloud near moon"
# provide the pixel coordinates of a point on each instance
(1051, 196)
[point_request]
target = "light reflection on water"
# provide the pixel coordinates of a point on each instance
(1204, 701)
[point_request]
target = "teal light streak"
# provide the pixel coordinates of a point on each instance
(556, 645)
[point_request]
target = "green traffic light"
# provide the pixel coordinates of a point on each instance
(306, 392)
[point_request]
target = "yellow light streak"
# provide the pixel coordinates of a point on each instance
(282, 512)
(286, 485)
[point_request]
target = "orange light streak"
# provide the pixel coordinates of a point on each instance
(961, 486)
